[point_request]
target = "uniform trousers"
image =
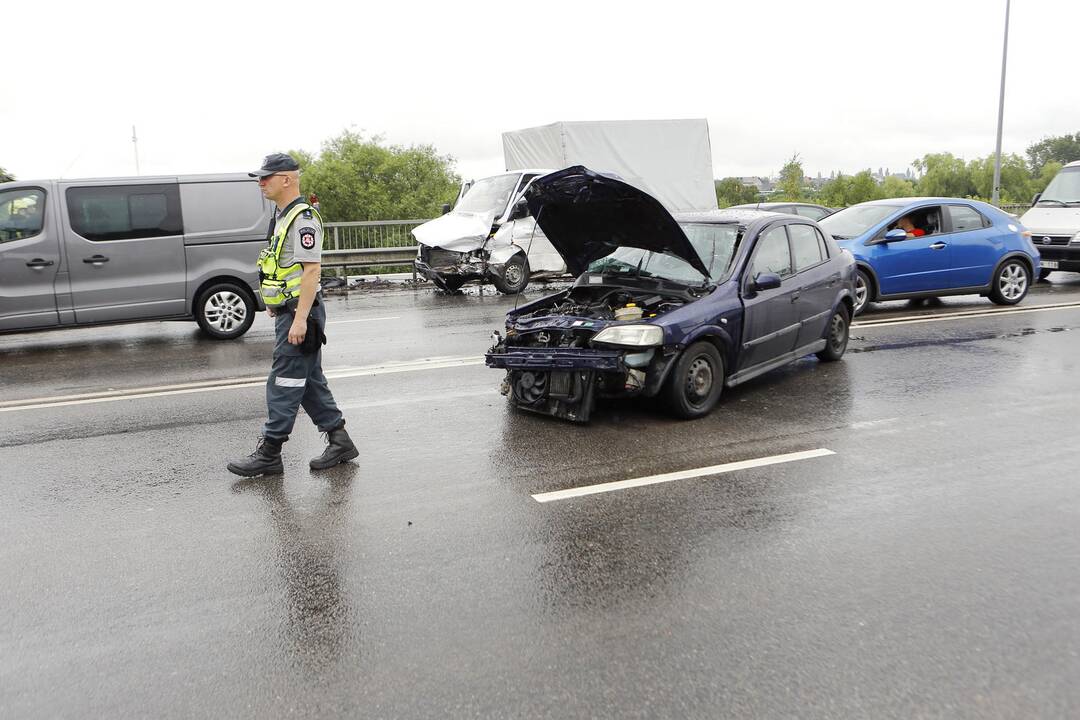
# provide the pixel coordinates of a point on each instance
(297, 380)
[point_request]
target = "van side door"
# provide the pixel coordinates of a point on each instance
(125, 249)
(29, 259)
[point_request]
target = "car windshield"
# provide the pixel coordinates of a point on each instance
(488, 195)
(855, 220)
(715, 245)
(1064, 189)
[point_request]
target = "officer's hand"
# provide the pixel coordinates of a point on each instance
(270, 312)
(297, 331)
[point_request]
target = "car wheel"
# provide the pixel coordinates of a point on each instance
(224, 311)
(1044, 273)
(515, 277)
(863, 291)
(696, 381)
(837, 338)
(1011, 282)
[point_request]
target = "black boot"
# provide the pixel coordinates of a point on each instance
(339, 450)
(266, 460)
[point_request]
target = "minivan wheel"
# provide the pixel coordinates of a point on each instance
(863, 289)
(1011, 282)
(696, 381)
(224, 311)
(837, 339)
(515, 277)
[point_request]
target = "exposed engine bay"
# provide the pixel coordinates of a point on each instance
(555, 367)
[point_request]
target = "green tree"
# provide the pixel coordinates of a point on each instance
(844, 190)
(731, 191)
(944, 175)
(358, 178)
(894, 187)
(1016, 185)
(5, 176)
(1062, 149)
(1039, 183)
(790, 185)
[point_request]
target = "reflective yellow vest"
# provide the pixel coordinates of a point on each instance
(281, 284)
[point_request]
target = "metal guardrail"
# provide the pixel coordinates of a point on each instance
(370, 243)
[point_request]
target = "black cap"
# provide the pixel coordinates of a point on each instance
(275, 163)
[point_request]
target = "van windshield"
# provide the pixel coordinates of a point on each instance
(1064, 189)
(488, 195)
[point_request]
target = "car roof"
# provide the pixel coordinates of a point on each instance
(767, 205)
(726, 215)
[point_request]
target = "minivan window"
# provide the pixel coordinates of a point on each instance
(125, 212)
(1064, 189)
(22, 213)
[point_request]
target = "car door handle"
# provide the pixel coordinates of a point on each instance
(38, 263)
(794, 296)
(96, 260)
(938, 246)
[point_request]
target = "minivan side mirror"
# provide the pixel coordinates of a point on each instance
(520, 210)
(766, 281)
(894, 235)
(445, 208)
(1036, 198)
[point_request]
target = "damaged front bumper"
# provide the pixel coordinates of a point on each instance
(564, 382)
(449, 269)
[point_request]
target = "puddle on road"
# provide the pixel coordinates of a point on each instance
(952, 341)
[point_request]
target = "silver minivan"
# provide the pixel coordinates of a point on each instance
(87, 252)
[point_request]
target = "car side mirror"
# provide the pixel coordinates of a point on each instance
(1036, 198)
(895, 234)
(520, 210)
(766, 281)
(445, 208)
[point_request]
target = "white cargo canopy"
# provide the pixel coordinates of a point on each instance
(669, 159)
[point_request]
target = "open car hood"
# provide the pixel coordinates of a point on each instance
(586, 216)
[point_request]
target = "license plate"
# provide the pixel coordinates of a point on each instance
(1049, 264)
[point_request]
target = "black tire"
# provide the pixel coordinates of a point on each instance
(1044, 273)
(225, 310)
(515, 276)
(836, 336)
(696, 381)
(864, 291)
(1010, 283)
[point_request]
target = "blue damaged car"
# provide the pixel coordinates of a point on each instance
(669, 307)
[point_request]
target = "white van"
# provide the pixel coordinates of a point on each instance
(113, 250)
(487, 237)
(1054, 222)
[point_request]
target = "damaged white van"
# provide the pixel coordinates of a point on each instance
(1054, 222)
(487, 237)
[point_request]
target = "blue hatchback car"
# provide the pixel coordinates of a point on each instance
(675, 307)
(928, 247)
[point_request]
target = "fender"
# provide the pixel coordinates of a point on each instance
(500, 254)
(726, 343)
(876, 289)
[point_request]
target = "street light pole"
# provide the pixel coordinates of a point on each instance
(135, 142)
(1001, 113)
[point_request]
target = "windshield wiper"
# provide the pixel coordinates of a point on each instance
(1059, 203)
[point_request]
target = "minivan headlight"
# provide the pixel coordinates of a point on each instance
(632, 335)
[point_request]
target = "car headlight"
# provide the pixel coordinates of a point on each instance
(1076, 238)
(632, 335)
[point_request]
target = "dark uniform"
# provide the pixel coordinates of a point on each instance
(296, 378)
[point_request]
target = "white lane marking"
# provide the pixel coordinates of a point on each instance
(965, 315)
(339, 322)
(681, 475)
(435, 363)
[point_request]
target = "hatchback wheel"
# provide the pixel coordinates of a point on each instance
(1011, 282)
(696, 381)
(837, 338)
(224, 311)
(863, 291)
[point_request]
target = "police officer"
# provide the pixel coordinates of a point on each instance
(289, 269)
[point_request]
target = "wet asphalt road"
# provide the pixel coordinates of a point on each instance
(930, 567)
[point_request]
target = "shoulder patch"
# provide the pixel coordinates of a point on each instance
(307, 237)
(307, 214)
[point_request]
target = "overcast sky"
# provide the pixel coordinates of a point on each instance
(212, 87)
